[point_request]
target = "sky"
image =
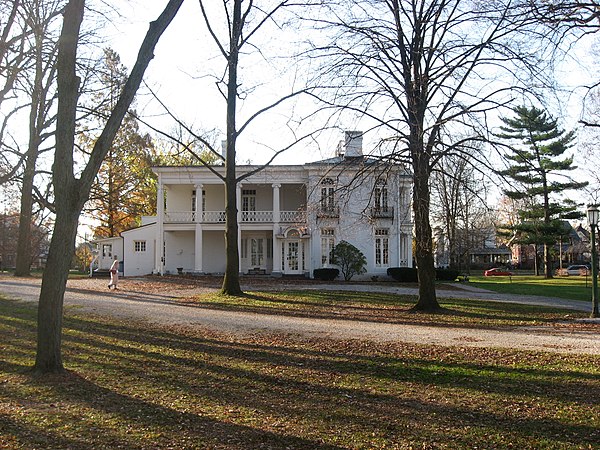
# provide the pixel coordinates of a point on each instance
(183, 75)
(187, 60)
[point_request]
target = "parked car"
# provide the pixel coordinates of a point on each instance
(497, 271)
(578, 270)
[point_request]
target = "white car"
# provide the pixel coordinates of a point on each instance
(578, 270)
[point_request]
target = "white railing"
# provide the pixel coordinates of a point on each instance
(246, 216)
(292, 216)
(257, 216)
(213, 216)
(178, 216)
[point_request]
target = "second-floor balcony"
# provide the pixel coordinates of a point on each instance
(245, 217)
(382, 212)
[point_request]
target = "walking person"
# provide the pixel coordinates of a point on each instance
(114, 273)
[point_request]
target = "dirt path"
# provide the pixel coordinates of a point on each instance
(156, 301)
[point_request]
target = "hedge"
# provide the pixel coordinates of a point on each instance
(404, 274)
(409, 274)
(326, 274)
(446, 274)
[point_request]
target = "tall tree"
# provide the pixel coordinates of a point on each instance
(122, 181)
(418, 72)
(536, 155)
(71, 192)
(38, 82)
(244, 20)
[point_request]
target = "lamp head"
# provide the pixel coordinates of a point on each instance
(593, 215)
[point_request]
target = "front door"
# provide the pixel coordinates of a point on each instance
(293, 257)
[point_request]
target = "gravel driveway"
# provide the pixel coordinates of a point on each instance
(155, 300)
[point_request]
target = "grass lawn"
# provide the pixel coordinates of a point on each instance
(573, 288)
(383, 307)
(136, 386)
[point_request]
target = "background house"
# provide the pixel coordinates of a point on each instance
(476, 248)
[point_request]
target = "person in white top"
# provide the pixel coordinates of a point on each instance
(114, 273)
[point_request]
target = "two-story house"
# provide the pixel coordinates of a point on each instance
(289, 216)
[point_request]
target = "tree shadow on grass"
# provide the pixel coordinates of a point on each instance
(398, 310)
(152, 387)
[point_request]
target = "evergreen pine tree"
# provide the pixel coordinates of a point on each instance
(539, 166)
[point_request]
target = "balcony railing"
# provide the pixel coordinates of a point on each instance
(179, 216)
(246, 217)
(292, 216)
(328, 211)
(257, 216)
(384, 212)
(213, 216)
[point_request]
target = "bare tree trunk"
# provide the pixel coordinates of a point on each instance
(231, 281)
(23, 263)
(71, 193)
(50, 310)
(37, 116)
(423, 238)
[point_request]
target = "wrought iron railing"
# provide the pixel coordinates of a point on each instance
(384, 212)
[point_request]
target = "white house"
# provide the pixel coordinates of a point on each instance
(105, 252)
(289, 217)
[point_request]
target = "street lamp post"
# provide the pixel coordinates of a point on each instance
(593, 215)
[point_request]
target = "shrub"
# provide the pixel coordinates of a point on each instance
(350, 260)
(326, 274)
(446, 274)
(403, 274)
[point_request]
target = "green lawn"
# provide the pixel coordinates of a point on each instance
(134, 386)
(383, 307)
(573, 288)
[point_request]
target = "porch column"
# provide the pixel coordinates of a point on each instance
(198, 249)
(238, 205)
(276, 229)
(199, 211)
(160, 217)
(276, 206)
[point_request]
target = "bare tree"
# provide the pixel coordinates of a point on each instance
(243, 22)
(458, 201)
(421, 71)
(37, 82)
(71, 192)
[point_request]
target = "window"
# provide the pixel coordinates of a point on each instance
(106, 250)
(248, 205)
(249, 200)
(139, 246)
(327, 244)
(382, 246)
(327, 195)
(381, 197)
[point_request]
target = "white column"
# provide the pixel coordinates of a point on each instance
(276, 242)
(160, 216)
(198, 249)
(198, 231)
(276, 205)
(238, 204)
(199, 211)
